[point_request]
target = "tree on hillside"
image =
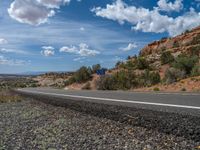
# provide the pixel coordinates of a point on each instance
(166, 58)
(185, 63)
(142, 63)
(96, 67)
(83, 74)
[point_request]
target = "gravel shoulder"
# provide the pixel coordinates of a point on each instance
(32, 124)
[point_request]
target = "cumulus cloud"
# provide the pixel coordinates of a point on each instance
(53, 3)
(5, 50)
(34, 12)
(12, 62)
(147, 20)
(165, 5)
(82, 49)
(3, 41)
(48, 51)
(69, 49)
(85, 51)
(130, 46)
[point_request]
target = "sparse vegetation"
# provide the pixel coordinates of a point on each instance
(166, 58)
(183, 89)
(172, 75)
(176, 44)
(194, 51)
(156, 89)
(17, 82)
(80, 76)
(142, 63)
(106, 82)
(148, 78)
(185, 63)
(6, 97)
(96, 67)
(196, 70)
(195, 40)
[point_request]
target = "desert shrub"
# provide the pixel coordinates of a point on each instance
(129, 57)
(196, 70)
(106, 82)
(87, 86)
(183, 89)
(121, 80)
(130, 65)
(156, 89)
(125, 80)
(173, 75)
(142, 63)
(70, 81)
(176, 44)
(117, 65)
(149, 78)
(195, 40)
(83, 74)
(186, 31)
(80, 76)
(194, 51)
(185, 63)
(96, 67)
(166, 58)
(6, 97)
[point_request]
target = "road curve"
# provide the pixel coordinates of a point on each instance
(186, 103)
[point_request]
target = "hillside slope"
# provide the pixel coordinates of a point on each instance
(170, 64)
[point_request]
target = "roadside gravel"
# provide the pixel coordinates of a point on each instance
(35, 125)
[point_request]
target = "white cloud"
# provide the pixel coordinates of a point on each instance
(34, 12)
(147, 20)
(53, 3)
(165, 5)
(5, 50)
(69, 49)
(130, 46)
(47, 51)
(82, 50)
(3, 41)
(11, 62)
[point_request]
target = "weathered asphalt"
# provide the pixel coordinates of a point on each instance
(184, 103)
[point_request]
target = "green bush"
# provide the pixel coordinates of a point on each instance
(156, 89)
(194, 51)
(80, 76)
(167, 57)
(183, 89)
(149, 78)
(96, 67)
(195, 40)
(185, 63)
(121, 80)
(130, 65)
(83, 74)
(142, 63)
(106, 82)
(176, 44)
(196, 70)
(125, 79)
(172, 75)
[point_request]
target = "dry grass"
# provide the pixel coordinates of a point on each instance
(8, 97)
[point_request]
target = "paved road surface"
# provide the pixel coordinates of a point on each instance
(187, 103)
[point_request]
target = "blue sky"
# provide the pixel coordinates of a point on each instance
(62, 35)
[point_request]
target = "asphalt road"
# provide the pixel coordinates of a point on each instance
(184, 103)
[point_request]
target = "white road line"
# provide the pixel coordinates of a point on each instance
(112, 100)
